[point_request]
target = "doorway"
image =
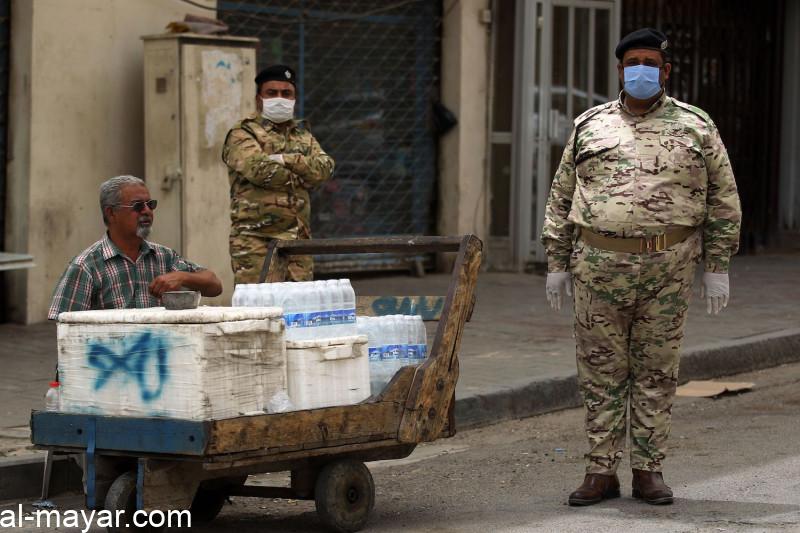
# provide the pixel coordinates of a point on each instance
(561, 55)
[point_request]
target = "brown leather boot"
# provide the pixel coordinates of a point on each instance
(595, 488)
(650, 487)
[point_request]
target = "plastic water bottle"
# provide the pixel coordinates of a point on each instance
(401, 326)
(264, 295)
(288, 301)
(327, 304)
(393, 348)
(348, 306)
(250, 296)
(237, 296)
(407, 327)
(366, 325)
(383, 367)
(411, 340)
(421, 339)
(313, 313)
(52, 400)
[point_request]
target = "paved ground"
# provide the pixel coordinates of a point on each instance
(513, 340)
(733, 466)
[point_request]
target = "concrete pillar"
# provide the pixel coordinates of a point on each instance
(463, 184)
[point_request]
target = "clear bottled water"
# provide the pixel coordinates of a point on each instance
(333, 303)
(311, 310)
(394, 341)
(236, 299)
(52, 400)
(366, 325)
(348, 310)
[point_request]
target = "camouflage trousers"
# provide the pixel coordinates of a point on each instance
(630, 311)
(247, 259)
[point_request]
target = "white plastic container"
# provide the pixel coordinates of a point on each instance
(204, 363)
(327, 372)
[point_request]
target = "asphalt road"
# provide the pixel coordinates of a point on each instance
(734, 465)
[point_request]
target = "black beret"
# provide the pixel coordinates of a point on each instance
(276, 73)
(642, 38)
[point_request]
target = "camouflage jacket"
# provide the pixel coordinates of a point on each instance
(268, 198)
(630, 175)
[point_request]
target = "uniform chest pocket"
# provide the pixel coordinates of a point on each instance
(680, 152)
(597, 157)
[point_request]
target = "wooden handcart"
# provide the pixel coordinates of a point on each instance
(167, 464)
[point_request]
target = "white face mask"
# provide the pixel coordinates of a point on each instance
(277, 109)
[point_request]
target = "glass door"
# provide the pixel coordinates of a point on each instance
(564, 65)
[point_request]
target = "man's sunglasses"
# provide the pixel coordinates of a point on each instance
(139, 206)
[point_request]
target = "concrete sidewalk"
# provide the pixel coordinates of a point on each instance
(517, 356)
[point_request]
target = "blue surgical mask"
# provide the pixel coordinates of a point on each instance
(641, 81)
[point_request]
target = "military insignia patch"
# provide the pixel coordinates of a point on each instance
(289, 74)
(664, 45)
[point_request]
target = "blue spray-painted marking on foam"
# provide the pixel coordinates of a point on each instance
(131, 357)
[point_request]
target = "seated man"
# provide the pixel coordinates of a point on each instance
(123, 270)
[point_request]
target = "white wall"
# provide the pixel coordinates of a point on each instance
(76, 119)
(463, 187)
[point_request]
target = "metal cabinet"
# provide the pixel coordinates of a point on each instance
(195, 88)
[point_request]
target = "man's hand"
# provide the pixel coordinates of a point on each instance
(172, 281)
(278, 158)
(716, 290)
(556, 285)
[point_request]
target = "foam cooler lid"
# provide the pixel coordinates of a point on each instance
(322, 343)
(159, 315)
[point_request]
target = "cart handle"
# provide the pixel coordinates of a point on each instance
(409, 244)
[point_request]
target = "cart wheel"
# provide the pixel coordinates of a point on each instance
(122, 497)
(344, 494)
(206, 505)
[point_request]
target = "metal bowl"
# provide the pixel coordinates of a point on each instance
(177, 300)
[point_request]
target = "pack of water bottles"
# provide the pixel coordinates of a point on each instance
(311, 309)
(394, 341)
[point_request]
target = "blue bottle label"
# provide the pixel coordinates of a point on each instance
(294, 320)
(392, 352)
(422, 351)
(411, 352)
(347, 316)
(374, 353)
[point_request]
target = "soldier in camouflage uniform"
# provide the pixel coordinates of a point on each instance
(273, 163)
(643, 193)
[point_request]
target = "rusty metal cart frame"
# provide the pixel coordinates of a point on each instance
(161, 463)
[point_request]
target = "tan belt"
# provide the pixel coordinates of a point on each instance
(636, 245)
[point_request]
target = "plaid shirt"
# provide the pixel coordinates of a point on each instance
(102, 277)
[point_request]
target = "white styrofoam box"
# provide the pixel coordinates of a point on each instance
(327, 372)
(204, 363)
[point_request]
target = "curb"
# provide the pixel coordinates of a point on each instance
(22, 478)
(701, 362)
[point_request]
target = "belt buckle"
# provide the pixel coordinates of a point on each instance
(656, 243)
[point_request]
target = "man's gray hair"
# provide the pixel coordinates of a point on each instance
(111, 191)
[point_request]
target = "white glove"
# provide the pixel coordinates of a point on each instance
(278, 158)
(556, 285)
(716, 290)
